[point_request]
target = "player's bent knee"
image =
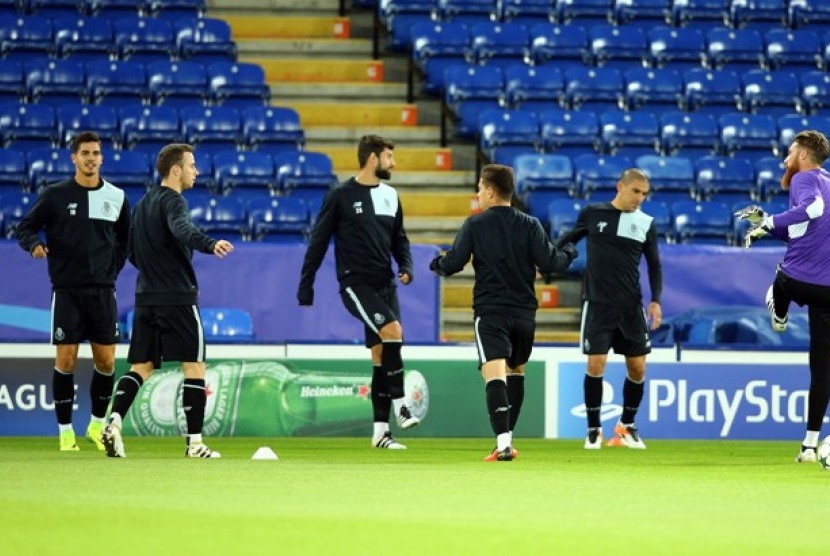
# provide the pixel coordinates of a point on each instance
(392, 331)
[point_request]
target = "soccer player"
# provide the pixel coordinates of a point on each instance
(507, 247)
(167, 325)
(86, 221)
(804, 274)
(619, 234)
(365, 218)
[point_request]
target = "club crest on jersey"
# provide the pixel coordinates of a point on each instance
(107, 209)
(358, 207)
(59, 335)
(72, 208)
(601, 226)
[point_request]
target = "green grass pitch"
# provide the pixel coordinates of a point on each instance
(339, 496)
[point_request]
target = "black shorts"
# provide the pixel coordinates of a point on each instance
(84, 314)
(622, 328)
(375, 307)
(167, 333)
(504, 337)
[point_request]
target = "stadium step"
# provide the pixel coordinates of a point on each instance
(563, 318)
(324, 113)
(464, 333)
(417, 203)
(272, 6)
(460, 295)
(303, 47)
(278, 70)
(407, 158)
(261, 26)
(454, 179)
(292, 90)
(399, 134)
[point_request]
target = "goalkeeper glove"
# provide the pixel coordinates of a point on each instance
(753, 213)
(758, 231)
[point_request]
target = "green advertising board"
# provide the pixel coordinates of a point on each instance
(324, 397)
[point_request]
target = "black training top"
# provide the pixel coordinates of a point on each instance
(86, 233)
(616, 242)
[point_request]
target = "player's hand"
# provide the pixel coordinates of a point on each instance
(222, 248)
(40, 251)
(405, 278)
(754, 233)
(752, 213)
(433, 264)
(655, 315)
(305, 296)
(570, 250)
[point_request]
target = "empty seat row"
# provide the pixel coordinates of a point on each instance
(104, 8)
(147, 128)
(138, 39)
(58, 82)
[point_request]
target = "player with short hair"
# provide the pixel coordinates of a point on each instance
(803, 276)
(86, 221)
(619, 234)
(507, 248)
(167, 325)
(365, 217)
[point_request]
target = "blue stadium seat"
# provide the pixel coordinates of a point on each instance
(437, 45)
(238, 84)
(563, 45)
(205, 40)
(128, 169)
(661, 213)
(204, 164)
(116, 83)
(83, 38)
(654, 89)
(790, 125)
(149, 128)
(692, 135)
(796, 50)
(707, 222)
(278, 219)
(12, 82)
(595, 89)
(527, 12)
(728, 180)
(700, 14)
(144, 40)
(809, 14)
(768, 174)
(176, 9)
(272, 130)
(115, 9)
(672, 178)
(629, 134)
(211, 128)
(305, 174)
(533, 88)
(749, 136)
(506, 134)
(562, 215)
(599, 174)
(711, 91)
(225, 325)
(177, 84)
(815, 91)
(55, 82)
(27, 126)
(535, 172)
(468, 91)
(468, 12)
(761, 15)
(22, 37)
(235, 171)
(679, 49)
(398, 16)
(12, 171)
(617, 47)
(772, 93)
(735, 49)
(584, 12)
(224, 217)
(54, 8)
(570, 133)
(47, 166)
(645, 14)
(76, 118)
(13, 207)
(499, 44)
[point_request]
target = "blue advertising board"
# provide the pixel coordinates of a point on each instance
(694, 400)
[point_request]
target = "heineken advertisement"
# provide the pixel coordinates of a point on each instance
(325, 398)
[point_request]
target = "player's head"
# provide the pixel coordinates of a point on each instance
(375, 152)
(809, 149)
(495, 186)
(86, 154)
(632, 190)
(177, 166)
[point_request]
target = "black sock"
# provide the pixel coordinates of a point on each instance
(632, 396)
(381, 400)
(498, 406)
(516, 396)
(63, 394)
(194, 400)
(125, 393)
(100, 392)
(392, 365)
(593, 399)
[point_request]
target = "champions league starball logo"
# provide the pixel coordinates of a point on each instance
(609, 410)
(417, 393)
